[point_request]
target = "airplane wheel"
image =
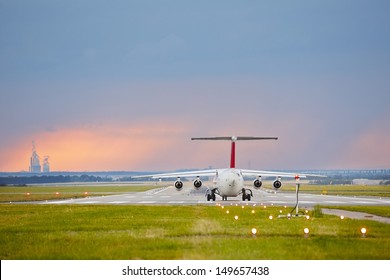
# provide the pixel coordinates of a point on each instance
(248, 197)
(213, 197)
(208, 197)
(243, 197)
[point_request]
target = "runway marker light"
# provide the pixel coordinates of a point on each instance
(265, 206)
(236, 218)
(227, 212)
(307, 217)
(363, 232)
(254, 231)
(342, 217)
(280, 211)
(86, 193)
(28, 193)
(306, 232)
(57, 193)
(306, 211)
(285, 206)
(253, 211)
(270, 217)
(222, 207)
(242, 206)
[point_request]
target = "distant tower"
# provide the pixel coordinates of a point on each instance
(35, 164)
(46, 165)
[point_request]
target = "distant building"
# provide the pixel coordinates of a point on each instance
(35, 163)
(46, 165)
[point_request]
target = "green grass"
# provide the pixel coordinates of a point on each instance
(39, 193)
(373, 210)
(181, 232)
(347, 190)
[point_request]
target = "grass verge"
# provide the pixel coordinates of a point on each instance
(182, 232)
(40, 193)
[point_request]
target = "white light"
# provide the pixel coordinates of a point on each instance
(227, 211)
(307, 217)
(254, 231)
(236, 218)
(270, 217)
(223, 207)
(242, 206)
(253, 211)
(280, 211)
(342, 217)
(306, 231)
(363, 231)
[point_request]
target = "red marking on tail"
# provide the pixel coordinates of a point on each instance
(233, 155)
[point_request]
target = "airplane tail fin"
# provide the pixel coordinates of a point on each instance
(233, 147)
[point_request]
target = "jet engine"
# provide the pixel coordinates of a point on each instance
(197, 183)
(257, 183)
(178, 185)
(277, 183)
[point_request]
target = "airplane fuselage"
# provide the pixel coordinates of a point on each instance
(229, 182)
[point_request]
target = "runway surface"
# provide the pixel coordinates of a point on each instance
(169, 196)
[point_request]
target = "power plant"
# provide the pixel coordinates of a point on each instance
(35, 163)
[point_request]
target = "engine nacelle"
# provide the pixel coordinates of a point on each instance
(178, 185)
(257, 183)
(197, 183)
(277, 184)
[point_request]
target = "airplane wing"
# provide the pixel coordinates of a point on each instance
(262, 173)
(185, 174)
(213, 172)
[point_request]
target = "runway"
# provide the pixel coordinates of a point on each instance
(169, 196)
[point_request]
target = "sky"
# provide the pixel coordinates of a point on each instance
(125, 84)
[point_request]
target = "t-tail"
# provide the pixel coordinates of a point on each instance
(234, 139)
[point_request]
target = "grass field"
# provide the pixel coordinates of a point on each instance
(348, 190)
(182, 232)
(39, 193)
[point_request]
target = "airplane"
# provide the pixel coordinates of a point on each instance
(228, 182)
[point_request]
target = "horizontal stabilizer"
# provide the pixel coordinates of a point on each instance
(235, 138)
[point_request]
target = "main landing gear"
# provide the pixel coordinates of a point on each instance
(210, 194)
(246, 194)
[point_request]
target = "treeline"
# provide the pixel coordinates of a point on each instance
(45, 179)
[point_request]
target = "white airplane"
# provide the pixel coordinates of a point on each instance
(228, 182)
